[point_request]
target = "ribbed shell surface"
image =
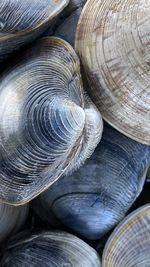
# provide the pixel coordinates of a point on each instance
(23, 21)
(11, 219)
(48, 126)
(129, 244)
(113, 42)
(50, 249)
(96, 197)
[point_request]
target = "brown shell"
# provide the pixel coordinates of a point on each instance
(113, 42)
(129, 244)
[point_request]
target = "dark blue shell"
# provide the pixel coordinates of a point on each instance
(95, 198)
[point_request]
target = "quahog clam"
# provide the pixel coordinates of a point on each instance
(113, 42)
(53, 128)
(23, 21)
(96, 197)
(11, 219)
(129, 244)
(50, 249)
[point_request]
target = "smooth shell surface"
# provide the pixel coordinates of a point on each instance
(48, 126)
(50, 249)
(23, 21)
(66, 23)
(11, 219)
(113, 42)
(129, 244)
(96, 197)
(68, 33)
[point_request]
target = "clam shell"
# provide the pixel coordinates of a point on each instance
(11, 219)
(129, 244)
(23, 21)
(113, 42)
(50, 249)
(96, 197)
(53, 128)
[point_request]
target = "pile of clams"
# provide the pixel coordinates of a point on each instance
(74, 133)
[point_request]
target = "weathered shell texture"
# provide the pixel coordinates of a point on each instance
(50, 249)
(53, 128)
(11, 219)
(113, 42)
(23, 21)
(129, 244)
(96, 197)
(65, 26)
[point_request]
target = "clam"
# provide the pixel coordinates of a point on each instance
(96, 197)
(50, 249)
(23, 21)
(48, 125)
(11, 219)
(129, 244)
(113, 42)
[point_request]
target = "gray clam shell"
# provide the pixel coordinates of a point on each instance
(96, 197)
(11, 219)
(50, 249)
(48, 126)
(23, 21)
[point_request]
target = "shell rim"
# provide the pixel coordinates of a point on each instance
(119, 226)
(115, 126)
(40, 25)
(22, 201)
